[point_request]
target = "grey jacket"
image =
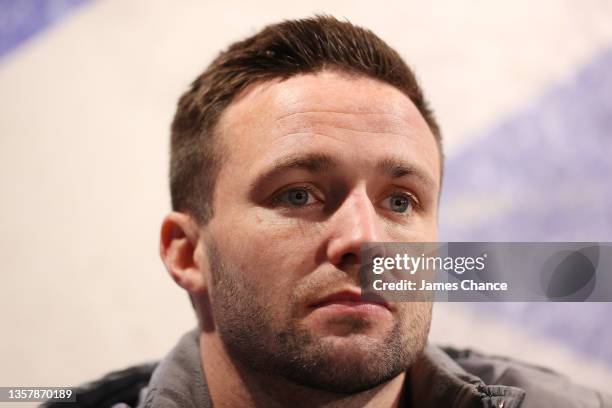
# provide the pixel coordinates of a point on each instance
(442, 377)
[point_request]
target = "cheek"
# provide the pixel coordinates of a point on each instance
(422, 230)
(415, 317)
(271, 256)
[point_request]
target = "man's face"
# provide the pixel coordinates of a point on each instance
(315, 166)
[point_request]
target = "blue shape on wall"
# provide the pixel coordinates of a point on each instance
(21, 19)
(543, 174)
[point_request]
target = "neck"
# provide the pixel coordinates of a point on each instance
(231, 384)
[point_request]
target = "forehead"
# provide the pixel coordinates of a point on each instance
(328, 110)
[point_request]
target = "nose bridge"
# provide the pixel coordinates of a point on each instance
(365, 219)
(354, 223)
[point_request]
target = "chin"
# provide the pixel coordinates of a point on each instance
(352, 345)
(349, 327)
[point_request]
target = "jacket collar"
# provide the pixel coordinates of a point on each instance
(178, 380)
(436, 380)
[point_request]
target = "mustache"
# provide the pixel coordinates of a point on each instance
(327, 283)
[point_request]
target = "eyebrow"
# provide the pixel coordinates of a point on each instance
(398, 168)
(312, 163)
(318, 163)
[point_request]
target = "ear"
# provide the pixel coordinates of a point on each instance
(180, 248)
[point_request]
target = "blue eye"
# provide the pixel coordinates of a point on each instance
(400, 203)
(296, 197)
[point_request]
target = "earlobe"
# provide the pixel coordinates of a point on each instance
(180, 250)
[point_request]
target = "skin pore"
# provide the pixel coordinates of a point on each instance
(313, 167)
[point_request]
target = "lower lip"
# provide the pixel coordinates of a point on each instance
(352, 307)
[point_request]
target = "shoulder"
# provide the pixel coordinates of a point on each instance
(542, 386)
(122, 388)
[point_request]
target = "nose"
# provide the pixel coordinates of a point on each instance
(354, 223)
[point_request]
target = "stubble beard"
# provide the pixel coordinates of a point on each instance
(301, 357)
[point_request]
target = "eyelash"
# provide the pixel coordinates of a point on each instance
(414, 202)
(277, 197)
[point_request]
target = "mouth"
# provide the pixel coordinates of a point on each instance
(350, 300)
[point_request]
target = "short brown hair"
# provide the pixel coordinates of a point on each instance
(279, 51)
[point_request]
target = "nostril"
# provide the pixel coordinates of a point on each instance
(349, 259)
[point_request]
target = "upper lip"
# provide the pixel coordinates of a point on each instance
(349, 296)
